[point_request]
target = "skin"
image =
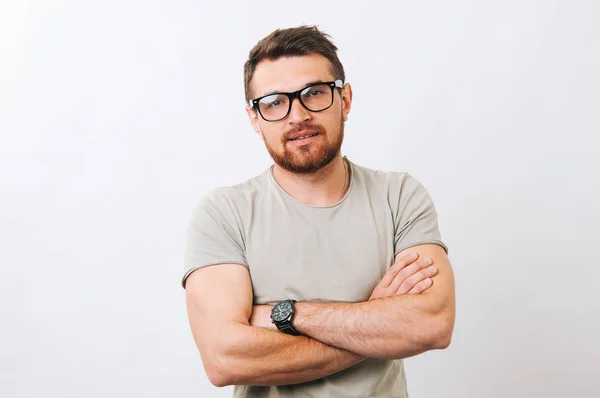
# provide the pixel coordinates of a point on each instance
(410, 311)
(320, 186)
(393, 327)
(239, 346)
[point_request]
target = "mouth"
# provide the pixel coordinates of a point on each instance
(303, 137)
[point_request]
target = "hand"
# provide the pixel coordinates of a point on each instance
(261, 317)
(407, 275)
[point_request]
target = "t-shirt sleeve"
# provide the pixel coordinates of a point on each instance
(415, 219)
(213, 237)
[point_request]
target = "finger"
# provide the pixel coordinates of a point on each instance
(396, 267)
(412, 281)
(421, 286)
(408, 271)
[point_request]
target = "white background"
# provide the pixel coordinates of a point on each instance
(117, 116)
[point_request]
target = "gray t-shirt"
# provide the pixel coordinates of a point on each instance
(297, 251)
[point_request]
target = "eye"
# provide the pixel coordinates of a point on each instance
(314, 93)
(272, 101)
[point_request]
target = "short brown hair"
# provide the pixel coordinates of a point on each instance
(291, 42)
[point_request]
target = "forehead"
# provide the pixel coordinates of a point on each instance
(289, 73)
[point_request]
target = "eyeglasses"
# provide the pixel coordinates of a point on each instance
(316, 98)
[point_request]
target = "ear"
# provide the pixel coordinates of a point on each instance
(254, 120)
(346, 100)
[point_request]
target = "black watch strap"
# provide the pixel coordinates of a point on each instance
(289, 329)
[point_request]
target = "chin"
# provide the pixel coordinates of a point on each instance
(307, 159)
(305, 163)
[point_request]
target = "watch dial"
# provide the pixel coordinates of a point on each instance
(282, 311)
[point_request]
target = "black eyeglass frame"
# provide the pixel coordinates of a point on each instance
(253, 103)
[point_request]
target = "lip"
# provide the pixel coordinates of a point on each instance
(293, 137)
(303, 141)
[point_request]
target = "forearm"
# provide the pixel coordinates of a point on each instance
(389, 328)
(258, 356)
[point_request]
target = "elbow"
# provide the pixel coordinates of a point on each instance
(217, 381)
(442, 341)
(217, 373)
(440, 337)
(224, 366)
(218, 367)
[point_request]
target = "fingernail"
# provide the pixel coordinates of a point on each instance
(433, 268)
(427, 260)
(412, 255)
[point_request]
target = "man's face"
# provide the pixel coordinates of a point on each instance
(290, 74)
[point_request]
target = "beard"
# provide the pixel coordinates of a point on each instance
(309, 158)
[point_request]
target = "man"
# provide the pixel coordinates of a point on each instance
(289, 287)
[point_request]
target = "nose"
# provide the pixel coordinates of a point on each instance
(298, 113)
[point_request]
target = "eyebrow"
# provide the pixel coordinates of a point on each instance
(303, 87)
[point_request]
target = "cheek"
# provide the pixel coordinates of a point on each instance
(272, 134)
(333, 124)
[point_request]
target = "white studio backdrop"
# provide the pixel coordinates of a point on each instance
(117, 116)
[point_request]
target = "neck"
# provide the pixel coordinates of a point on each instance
(321, 188)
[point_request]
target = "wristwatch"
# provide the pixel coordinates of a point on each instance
(282, 315)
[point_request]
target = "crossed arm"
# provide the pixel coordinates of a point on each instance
(219, 303)
(231, 334)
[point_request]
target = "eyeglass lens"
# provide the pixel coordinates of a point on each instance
(315, 98)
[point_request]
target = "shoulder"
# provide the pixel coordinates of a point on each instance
(228, 199)
(393, 183)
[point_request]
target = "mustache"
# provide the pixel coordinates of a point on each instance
(317, 128)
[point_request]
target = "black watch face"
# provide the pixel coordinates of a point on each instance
(281, 311)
